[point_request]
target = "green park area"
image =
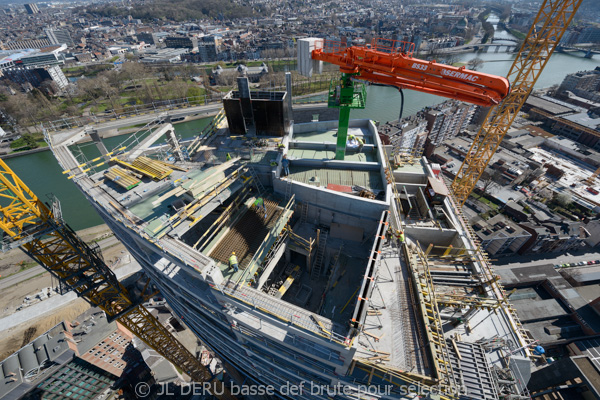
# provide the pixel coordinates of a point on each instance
(102, 89)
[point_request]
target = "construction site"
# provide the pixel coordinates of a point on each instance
(353, 267)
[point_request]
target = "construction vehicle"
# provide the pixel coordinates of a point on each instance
(41, 233)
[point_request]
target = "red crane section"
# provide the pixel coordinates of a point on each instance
(390, 62)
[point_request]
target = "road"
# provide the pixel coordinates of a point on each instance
(38, 269)
(44, 308)
(551, 258)
(20, 277)
(204, 111)
(125, 122)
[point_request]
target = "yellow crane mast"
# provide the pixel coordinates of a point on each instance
(592, 178)
(544, 35)
(42, 234)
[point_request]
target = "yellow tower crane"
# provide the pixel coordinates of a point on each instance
(41, 233)
(544, 35)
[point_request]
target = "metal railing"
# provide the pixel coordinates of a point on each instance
(433, 323)
(129, 111)
(283, 311)
(492, 279)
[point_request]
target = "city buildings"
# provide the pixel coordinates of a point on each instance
(38, 76)
(181, 42)
(69, 361)
(407, 136)
(31, 8)
(59, 36)
(500, 236)
(447, 119)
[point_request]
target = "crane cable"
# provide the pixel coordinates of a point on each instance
(401, 104)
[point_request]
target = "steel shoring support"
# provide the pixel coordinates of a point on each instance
(375, 315)
(432, 320)
(57, 248)
(544, 35)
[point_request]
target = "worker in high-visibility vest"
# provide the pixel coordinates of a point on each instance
(233, 262)
(228, 157)
(400, 236)
(361, 143)
(259, 204)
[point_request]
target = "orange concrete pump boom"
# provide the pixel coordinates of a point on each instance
(390, 62)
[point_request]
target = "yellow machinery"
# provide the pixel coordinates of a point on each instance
(544, 35)
(592, 178)
(41, 233)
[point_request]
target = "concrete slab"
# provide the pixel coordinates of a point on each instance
(47, 306)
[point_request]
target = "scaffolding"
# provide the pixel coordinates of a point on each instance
(56, 247)
(433, 323)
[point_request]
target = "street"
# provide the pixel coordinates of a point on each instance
(541, 259)
(38, 269)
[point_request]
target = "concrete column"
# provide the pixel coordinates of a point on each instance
(288, 87)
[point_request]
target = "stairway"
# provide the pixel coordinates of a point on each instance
(320, 258)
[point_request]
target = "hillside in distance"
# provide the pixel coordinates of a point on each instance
(180, 10)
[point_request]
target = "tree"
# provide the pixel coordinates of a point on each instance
(487, 179)
(26, 142)
(89, 89)
(475, 63)
(563, 199)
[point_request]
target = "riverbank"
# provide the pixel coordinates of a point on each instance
(23, 153)
(109, 133)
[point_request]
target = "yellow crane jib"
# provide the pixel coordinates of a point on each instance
(55, 246)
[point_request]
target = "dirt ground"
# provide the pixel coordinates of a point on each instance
(12, 297)
(14, 338)
(11, 260)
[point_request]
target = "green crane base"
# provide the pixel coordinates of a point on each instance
(345, 94)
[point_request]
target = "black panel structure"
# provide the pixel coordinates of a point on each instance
(265, 113)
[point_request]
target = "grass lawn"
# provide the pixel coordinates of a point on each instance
(486, 201)
(519, 35)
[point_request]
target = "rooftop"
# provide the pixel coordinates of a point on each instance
(546, 104)
(317, 254)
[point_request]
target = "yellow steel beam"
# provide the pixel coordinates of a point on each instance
(592, 178)
(57, 248)
(545, 33)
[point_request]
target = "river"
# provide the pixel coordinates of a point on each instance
(42, 174)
